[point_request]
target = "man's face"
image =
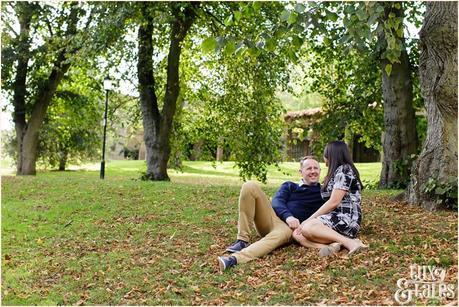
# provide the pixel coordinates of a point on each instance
(310, 172)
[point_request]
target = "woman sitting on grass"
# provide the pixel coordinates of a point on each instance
(338, 219)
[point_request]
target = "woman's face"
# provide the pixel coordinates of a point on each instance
(326, 161)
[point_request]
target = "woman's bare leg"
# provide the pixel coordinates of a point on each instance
(298, 237)
(313, 230)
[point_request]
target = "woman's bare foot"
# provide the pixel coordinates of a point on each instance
(356, 246)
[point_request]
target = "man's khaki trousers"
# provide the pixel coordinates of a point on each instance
(255, 208)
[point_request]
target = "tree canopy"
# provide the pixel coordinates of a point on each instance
(209, 73)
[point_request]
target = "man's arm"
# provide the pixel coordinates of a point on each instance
(279, 204)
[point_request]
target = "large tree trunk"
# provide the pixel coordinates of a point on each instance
(438, 78)
(24, 11)
(27, 132)
(29, 142)
(158, 125)
(400, 137)
(149, 104)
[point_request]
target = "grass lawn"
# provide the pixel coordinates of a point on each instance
(71, 238)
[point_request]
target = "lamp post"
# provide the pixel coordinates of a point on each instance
(107, 87)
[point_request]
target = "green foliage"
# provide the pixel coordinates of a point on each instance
(403, 167)
(388, 69)
(130, 153)
(348, 36)
(53, 38)
(236, 57)
(421, 129)
(254, 128)
(252, 30)
(443, 192)
(209, 45)
(48, 35)
(346, 75)
(365, 22)
(350, 86)
(228, 93)
(370, 184)
(247, 117)
(295, 102)
(9, 145)
(72, 130)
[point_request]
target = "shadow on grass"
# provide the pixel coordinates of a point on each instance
(197, 171)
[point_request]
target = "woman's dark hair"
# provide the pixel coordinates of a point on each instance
(337, 154)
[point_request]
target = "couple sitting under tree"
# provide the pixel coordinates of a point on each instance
(326, 218)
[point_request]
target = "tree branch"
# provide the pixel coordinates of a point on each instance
(48, 24)
(11, 29)
(215, 18)
(179, 28)
(148, 99)
(86, 27)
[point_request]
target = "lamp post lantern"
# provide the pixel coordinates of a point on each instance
(107, 87)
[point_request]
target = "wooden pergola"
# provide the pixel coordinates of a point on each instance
(299, 146)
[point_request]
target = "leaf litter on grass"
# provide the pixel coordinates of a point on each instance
(156, 244)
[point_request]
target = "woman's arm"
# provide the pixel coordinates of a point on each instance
(330, 205)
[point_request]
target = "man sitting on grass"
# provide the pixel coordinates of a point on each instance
(292, 204)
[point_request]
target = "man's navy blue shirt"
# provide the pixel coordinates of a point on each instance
(299, 201)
